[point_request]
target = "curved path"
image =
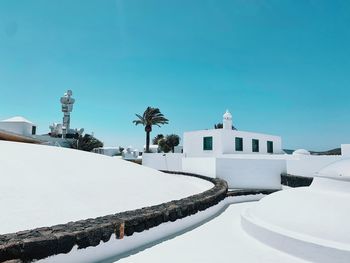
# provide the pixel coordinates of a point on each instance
(221, 239)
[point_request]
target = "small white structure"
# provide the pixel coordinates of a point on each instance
(18, 125)
(109, 151)
(227, 122)
(215, 142)
(130, 153)
(301, 152)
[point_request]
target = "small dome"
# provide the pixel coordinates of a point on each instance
(227, 115)
(301, 152)
(339, 170)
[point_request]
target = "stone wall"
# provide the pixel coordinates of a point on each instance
(47, 241)
(243, 192)
(295, 181)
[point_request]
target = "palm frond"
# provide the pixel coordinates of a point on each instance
(151, 116)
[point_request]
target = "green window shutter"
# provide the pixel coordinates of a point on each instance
(239, 144)
(255, 145)
(207, 143)
(269, 146)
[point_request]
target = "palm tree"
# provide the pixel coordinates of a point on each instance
(86, 143)
(151, 116)
(157, 138)
(172, 140)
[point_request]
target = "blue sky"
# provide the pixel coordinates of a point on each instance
(281, 67)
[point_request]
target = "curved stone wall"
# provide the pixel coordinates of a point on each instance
(47, 241)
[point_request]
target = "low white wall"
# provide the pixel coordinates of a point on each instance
(200, 165)
(163, 161)
(251, 173)
(345, 150)
(308, 165)
(246, 172)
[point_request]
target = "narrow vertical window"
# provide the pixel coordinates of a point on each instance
(33, 130)
(239, 144)
(269, 146)
(255, 145)
(208, 143)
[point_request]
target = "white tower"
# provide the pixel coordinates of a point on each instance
(67, 106)
(227, 121)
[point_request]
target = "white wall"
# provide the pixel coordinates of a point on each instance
(21, 128)
(251, 173)
(228, 138)
(240, 171)
(200, 165)
(307, 165)
(224, 142)
(345, 150)
(193, 143)
(163, 161)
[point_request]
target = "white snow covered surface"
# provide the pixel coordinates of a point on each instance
(310, 221)
(218, 240)
(45, 185)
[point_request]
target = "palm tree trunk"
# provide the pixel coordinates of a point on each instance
(148, 130)
(147, 141)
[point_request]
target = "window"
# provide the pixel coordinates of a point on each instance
(269, 146)
(33, 130)
(239, 144)
(208, 143)
(255, 145)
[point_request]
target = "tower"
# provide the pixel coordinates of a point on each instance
(227, 121)
(67, 106)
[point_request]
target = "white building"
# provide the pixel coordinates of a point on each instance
(109, 151)
(215, 142)
(244, 159)
(130, 153)
(18, 125)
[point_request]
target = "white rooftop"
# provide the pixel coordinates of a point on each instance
(17, 119)
(301, 152)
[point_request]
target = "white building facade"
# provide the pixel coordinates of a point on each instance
(245, 160)
(216, 142)
(220, 141)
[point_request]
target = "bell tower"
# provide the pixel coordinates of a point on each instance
(227, 121)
